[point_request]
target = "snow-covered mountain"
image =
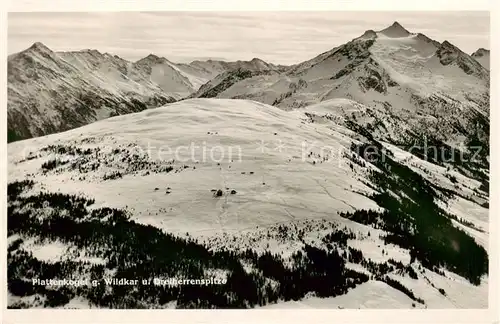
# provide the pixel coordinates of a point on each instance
(55, 91)
(356, 179)
(482, 56)
(411, 84)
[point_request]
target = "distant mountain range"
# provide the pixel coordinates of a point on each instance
(55, 91)
(49, 91)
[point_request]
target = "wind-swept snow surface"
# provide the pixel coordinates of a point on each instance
(225, 144)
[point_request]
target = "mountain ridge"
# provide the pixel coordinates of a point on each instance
(86, 85)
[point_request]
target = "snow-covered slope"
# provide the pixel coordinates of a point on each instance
(304, 214)
(482, 56)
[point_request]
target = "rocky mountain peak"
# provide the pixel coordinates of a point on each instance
(481, 52)
(482, 56)
(37, 52)
(449, 53)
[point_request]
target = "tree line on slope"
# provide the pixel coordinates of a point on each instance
(135, 251)
(414, 220)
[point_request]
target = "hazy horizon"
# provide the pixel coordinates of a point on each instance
(277, 37)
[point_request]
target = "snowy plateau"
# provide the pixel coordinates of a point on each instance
(356, 179)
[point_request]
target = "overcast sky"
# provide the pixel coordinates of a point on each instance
(277, 37)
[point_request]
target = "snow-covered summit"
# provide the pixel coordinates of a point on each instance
(395, 30)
